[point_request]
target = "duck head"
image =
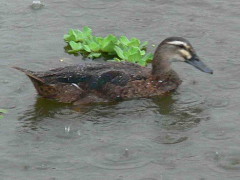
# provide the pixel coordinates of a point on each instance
(176, 49)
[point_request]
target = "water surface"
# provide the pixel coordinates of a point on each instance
(190, 134)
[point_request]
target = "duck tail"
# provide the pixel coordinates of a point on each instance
(43, 89)
(30, 74)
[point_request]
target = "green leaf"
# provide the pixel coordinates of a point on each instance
(109, 38)
(134, 57)
(75, 46)
(108, 43)
(148, 57)
(76, 34)
(94, 46)
(98, 39)
(124, 40)
(71, 36)
(108, 47)
(126, 54)
(143, 45)
(143, 52)
(94, 55)
(119, 52)
(86, 48)
(116, 59)
(134, 42)
(87, 31)
(2, 111)
(66, 37)
(142, 63)
(133, 50)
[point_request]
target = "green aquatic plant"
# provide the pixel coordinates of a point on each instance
(121, 49)
(2, 112)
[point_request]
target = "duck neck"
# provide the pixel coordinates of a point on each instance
(160, 64)
(161, 69)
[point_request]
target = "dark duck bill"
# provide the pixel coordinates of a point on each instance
(197, 63)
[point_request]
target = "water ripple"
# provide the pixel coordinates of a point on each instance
(228, 84)
(120, 156)
(167, 138)
(217, 101)
(8, 102)
(92, 4)
(234, 61)
(188, 98)
(225, 160)
(219, 133)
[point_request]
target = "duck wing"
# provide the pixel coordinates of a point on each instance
(93, 75)
(69, 83)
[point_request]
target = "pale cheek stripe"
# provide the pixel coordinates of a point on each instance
(186, 53)
(178, 43)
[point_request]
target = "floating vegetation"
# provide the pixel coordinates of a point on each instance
(120, 48)
(2, 112)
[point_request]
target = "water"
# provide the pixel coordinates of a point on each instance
(190, 134)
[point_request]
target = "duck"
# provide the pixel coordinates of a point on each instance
(114, 81)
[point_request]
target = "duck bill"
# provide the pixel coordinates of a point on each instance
(197, 63)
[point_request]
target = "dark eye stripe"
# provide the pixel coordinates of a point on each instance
(182, 46)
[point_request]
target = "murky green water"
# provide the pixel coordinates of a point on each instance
(191, 134)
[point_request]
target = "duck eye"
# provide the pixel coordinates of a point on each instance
(182, 46)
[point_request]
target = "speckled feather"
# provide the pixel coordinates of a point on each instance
(109, 81)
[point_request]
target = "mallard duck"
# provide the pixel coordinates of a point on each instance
(111, 81)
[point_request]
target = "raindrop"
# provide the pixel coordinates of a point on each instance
(126, 153)
(42, 167)
(36, 4)
(67, 129)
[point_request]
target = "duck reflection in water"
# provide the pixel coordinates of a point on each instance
(166, 111)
